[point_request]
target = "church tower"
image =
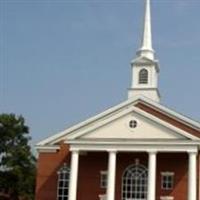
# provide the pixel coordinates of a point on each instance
(145, 67)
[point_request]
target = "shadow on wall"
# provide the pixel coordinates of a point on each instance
(178, 164)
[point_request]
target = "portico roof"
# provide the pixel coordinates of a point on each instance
(190, 129)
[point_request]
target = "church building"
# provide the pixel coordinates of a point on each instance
(136, 150)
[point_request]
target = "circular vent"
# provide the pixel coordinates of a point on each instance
(133, 124)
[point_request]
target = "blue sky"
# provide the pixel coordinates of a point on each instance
(62, 61)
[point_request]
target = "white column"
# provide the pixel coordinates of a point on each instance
(73, 175)
(152, 176)
(192, 176)
(111, 176)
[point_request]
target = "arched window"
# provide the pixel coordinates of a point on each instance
(63, 182)
(143, 76)
(134, 182)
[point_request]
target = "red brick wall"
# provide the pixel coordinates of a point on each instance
(91, 164)
(165, 162)
(47, 168)
(177, 163)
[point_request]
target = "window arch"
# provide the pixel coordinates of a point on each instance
(134, 182)
(143, 76)
(63, 182)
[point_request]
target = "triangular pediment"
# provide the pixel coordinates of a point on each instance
(118, 127)
(113, 123)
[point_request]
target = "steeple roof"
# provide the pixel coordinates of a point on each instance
(146, 49)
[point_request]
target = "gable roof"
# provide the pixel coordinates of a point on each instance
(114, 127)
(170, 116)
(139, 101)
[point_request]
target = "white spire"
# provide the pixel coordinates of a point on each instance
(145, 68)
(146, 49)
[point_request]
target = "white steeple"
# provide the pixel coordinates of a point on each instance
(145, 68)
(146, 44)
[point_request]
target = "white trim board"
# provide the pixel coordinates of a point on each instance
(135, 148)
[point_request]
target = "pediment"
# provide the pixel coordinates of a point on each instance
(113, 123)
(120, 129)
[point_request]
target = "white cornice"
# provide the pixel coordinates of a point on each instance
(168, 142)
(141, 61)
(135, 148)
(47, 149)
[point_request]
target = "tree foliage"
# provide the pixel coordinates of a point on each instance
(17, 163)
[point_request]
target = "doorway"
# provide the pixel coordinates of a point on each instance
(134, 182)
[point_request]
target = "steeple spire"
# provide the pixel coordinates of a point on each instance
(146, 49)
(145, 68)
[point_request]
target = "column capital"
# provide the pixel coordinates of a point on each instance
(152, 152)
(192, 153)
(112, 151)
(75, 150)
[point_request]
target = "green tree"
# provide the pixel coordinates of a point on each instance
(17, 163)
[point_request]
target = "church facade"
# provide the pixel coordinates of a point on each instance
(137, 150)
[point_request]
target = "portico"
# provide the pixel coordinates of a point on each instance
(152, 151)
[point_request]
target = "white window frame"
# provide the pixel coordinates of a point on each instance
(130, 184)
(167, 182)
(63, 177)
(143, 76)
(103, 179)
